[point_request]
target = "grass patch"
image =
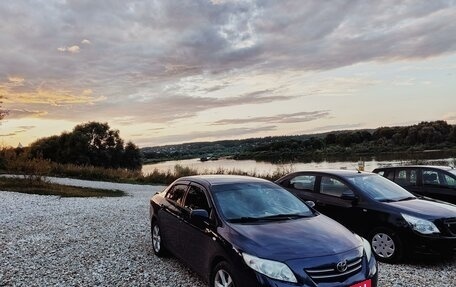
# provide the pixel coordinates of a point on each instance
(36, 185)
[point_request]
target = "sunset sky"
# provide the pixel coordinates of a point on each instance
(173, 71)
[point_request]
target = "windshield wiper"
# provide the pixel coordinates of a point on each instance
(283, 216)
(386, 200)
(407, 198)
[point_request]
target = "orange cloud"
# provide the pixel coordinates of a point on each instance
(55, 98)
(16, 80)
(45, 95)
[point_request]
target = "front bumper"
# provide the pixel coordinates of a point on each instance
(369, 271)
(431, 244)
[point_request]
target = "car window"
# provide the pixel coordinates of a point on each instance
(176, 193)
(405, 177)
(333, 187)
(449, 181)
(196, 199)
(434, 177)
(390, 175)
(256, 200)
(431, 177)
(303, 182)
(381, 172)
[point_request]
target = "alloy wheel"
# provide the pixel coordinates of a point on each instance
(223, 279)
(156, 238)
(383, 245)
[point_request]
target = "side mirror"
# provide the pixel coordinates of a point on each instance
(349, 196)
(310, 203)
(199, 216)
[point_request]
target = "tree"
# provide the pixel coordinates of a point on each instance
(132, 157)
(91, 143)
(330, 139)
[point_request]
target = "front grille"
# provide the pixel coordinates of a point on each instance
(331, 273)
(450, 225)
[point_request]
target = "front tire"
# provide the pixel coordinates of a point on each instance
(223, 276)
(386, 245)
(157, 240)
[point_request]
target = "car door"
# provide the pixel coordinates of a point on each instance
(336, 200)
(196, 235)
(171, 216)
(438, 184)
(407, 177)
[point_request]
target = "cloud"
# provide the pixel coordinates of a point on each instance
(24, 113)
(162, 109)
(330, 128)
(282, 118)
(72, 49)
(8, 134)
(138, 58)
(16, 80)
(21, 129)
(221, 37)
(450, 117)
(17, 91)
(204, 135)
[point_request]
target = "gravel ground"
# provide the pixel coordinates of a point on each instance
(53, 241)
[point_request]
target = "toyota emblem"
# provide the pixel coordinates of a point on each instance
(342, 266)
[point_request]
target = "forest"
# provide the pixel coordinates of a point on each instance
(421, 137)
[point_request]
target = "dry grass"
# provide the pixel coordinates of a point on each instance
(36, 185)
(13, 161)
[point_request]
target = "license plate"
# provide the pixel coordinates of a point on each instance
(366, 283)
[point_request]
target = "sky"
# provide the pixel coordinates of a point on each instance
(173, 71)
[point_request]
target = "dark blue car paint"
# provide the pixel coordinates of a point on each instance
(300, 243)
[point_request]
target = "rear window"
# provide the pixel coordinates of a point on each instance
(406, 177)
(303, 182)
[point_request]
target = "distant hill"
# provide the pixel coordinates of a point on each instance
(420, 137)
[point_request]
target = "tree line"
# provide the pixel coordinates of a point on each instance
(336, 144)
(89, 144)
(436, 135)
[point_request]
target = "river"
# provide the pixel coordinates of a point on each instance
(263, 168)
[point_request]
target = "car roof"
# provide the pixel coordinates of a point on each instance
(221, 179)
(337, 172)
(442, 167)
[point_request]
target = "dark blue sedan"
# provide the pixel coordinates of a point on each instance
(246, 232)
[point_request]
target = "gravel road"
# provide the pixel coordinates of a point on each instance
(53, 241)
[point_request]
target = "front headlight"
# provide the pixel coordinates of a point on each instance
(420, 225)
(367, 249)
(272, 269)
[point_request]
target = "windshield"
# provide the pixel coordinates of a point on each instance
(380, 188)
(245, 202)
(453, 171)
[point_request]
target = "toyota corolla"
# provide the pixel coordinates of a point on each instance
(244, 232)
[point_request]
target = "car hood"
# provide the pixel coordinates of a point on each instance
(427, 208)
(294, 239)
